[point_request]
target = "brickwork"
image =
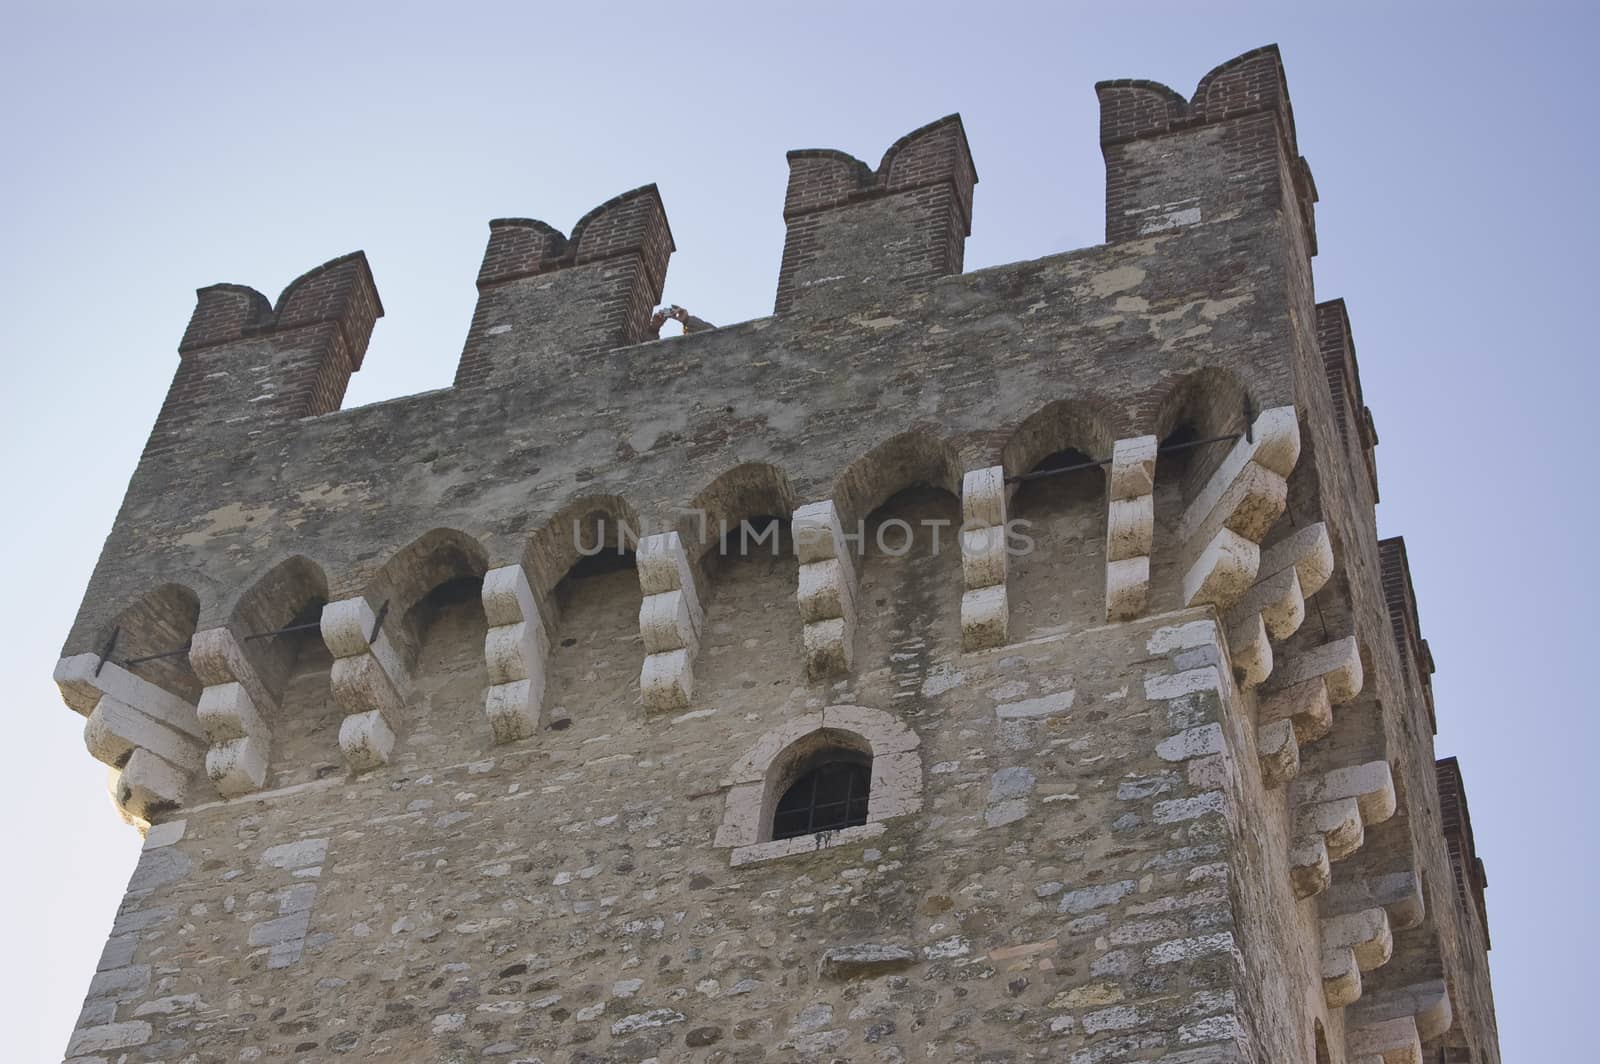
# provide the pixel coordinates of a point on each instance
(1157, 785)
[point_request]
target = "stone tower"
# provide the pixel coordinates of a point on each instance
(997, 665)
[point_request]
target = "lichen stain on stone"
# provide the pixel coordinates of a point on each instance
(223, 521)
(1121, 279)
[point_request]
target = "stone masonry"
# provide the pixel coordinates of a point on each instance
(456, 724)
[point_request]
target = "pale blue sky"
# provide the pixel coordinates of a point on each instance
(154, 148)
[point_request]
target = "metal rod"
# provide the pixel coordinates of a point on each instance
(1094, 462)
(283, 631)
(156, 657)
(377, 622)
(111, 644)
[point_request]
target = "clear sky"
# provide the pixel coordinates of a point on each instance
(153, 148)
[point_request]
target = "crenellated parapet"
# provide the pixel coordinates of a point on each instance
(1172, 162)
(544, 297)
(850, 225)
(245, 360)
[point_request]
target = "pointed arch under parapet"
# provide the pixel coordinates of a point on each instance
(1211, 401)
(589, 526)
(751, 489)
(739, 535)
(138, 693)
(911, 458)
(374, 638)
(1058, 514)
(585, 581)
(246, 669)
(1082, 425)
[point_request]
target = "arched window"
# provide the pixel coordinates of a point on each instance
(830, 792)
(828, 778)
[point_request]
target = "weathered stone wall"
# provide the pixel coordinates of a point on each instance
(1063, 883)
(1160, 787)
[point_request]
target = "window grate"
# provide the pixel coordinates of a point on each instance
(830, 797)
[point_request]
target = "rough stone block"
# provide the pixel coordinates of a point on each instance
(114, 730)
(1365, 933)
(1278, 601)
(1338, 664)
(1391, 1041)
(508, 598)
(1305, 704)
(829, 647)
(1130, 527)
(237, 766)
(1279, 752)
(366, 740)
(1371, 785)
(1249, 506)
(1133, 467)
(663, 564)
(667, 680)
(1223, 572)
(667, 623)
(361, 685)
(1308, 551)
(826, 590)
(514, 710)
(817, 533)
(1338, 822)
(149, 785)
(866, 959)
(983, 497)
(1251, 651)
(1127, 589)
(226, 711)
(82, 679)
(985, 618)
(983, 556)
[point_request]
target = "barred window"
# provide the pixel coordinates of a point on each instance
(829, 793)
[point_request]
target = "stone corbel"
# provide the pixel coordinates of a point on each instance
(233, 712)
(1384, 1022)
(1130, 527)
(1222, 528)
(1351, 944)
(1332, 812)
(515, 651)
(669, 622)
(368, 679)
(148, 735)
(1305, 688)
(1275, 607)
(827, 589)
(985, 608)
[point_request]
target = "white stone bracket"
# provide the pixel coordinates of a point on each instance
(369, 680)
(1331, 814)
(1387, 1025)
(1305, 688)
(1274, 608)
(985, 607)
(149, 735)
(1221, 529)
(515, 650)
(233, 711)
(1130, 527)
(670, 622)
(1351, 944)
(827, 589)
